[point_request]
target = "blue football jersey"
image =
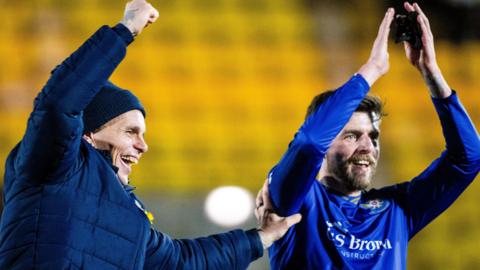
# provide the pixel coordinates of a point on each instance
(370, 231)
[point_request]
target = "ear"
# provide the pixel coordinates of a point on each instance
(89, 138)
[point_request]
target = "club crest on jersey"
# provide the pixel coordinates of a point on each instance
(375, 205)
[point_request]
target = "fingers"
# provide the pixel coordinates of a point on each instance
(423, 20)
(416, 8)
(153, 15)
(266, 195)
(262, 195)
(408, 7)
(274, 227)
(384, 28)
(138, 15)
(258, 204)
(421, 14)
(293, 219)
(259, 214)
(427, 36)
(381, 42)
(388, 18)
(262, 201)
(408, 51)
(419, 10)
(284, 222)
(265, 184)
(377, 64)
(259, 199)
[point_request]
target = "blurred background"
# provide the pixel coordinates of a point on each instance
(226, 84)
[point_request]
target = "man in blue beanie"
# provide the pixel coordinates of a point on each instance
(114, 122)
(68, 204)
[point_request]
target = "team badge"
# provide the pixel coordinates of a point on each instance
(375, 205)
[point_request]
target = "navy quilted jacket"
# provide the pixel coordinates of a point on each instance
(65, 207)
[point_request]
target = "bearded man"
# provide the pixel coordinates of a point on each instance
(331, 161)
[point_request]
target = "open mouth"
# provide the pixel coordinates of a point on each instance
(361, 163)
(129, 160)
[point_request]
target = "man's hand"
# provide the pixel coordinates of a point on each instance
(271, 226)
(377, 64)
(138, 15)
(424, 59)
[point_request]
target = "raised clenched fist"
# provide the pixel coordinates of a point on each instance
(138, 14)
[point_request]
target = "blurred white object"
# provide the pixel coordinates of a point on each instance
(229, 206)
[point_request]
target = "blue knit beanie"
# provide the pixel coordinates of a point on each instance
(110, 102)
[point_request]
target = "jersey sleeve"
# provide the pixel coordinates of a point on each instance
(440, 184)
(231, 250)
(292, 177)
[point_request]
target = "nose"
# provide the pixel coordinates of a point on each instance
(365, 145)
(141, 145)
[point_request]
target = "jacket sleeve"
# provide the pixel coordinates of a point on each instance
(438, 186)
(231, 250)
(293, 176)
(54, 130)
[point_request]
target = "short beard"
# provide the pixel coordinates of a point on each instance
(348, 179)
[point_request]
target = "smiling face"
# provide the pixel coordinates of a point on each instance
(351, 160)
(123, 137)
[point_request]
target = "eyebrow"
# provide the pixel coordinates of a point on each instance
(375, 133)
(134, 128)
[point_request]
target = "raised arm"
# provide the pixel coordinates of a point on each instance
(424, 59)
(293, 176)
(54, 129)
(436, 188)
